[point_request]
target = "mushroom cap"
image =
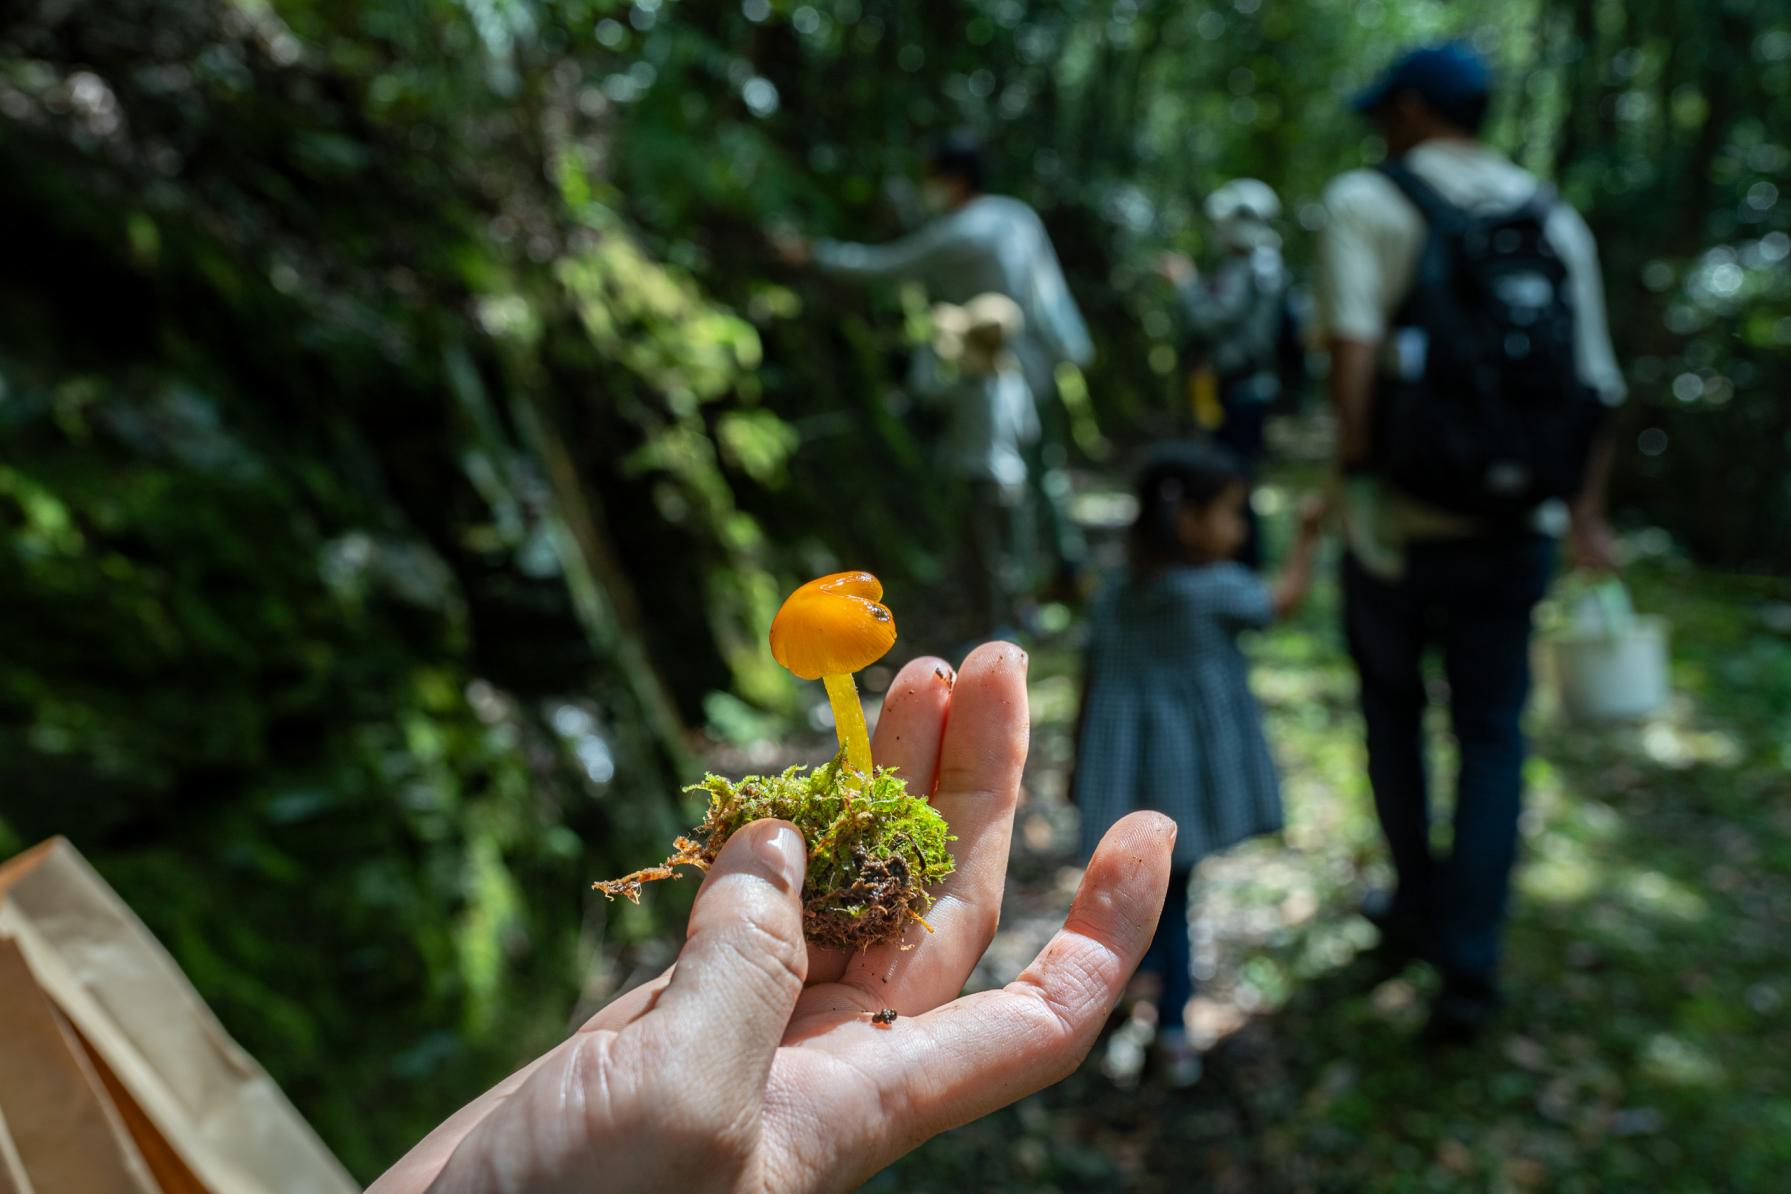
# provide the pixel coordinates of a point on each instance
(832, 626)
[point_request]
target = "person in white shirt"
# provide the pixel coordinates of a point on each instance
(1417, 575)
(986, 244)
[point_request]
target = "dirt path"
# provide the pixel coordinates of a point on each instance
(1647, 935)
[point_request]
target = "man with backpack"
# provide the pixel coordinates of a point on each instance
(1470, 365)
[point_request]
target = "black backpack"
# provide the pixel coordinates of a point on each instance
(1480, 408)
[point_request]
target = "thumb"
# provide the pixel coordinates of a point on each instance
(744, 959)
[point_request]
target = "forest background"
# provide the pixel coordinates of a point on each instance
(406, 432)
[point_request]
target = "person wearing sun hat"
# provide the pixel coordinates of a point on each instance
(1420, 574)
(991, 424)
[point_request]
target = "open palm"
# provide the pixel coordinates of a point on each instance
(754, 1064)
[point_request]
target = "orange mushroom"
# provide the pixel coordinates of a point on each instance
(828, 629)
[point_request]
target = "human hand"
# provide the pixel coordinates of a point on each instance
(1590, 543)
(1176, 268)
(791, 247)
(753, 1065)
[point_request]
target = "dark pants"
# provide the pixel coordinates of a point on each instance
(1473, 598)
(998, 535)
(1246, 413)
(1169, 955)
(1047, 471)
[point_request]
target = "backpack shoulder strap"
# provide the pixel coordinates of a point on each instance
(1438, 212)
(1540, 203)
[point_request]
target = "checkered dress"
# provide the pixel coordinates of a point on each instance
(1170, 722)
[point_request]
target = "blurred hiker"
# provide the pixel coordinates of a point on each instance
(1240, 326)
(759, 1063)
(1463, 312)
(976, 244)
(991, 423)
(1168, 721)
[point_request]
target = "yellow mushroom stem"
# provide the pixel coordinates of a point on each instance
(848, 720)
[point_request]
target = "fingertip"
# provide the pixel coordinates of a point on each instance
(1125, 882)
(991, 685)
(743, 963)
(1161, 825)
(996, 657)
(920, 677)
(1147, 830)
(770, 849)
(986, 735)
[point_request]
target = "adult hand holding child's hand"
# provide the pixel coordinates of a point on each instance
(1175, 268)
(754, 1064)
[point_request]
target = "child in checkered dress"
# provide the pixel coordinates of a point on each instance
(1168, 721)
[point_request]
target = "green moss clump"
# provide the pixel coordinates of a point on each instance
(873, 849)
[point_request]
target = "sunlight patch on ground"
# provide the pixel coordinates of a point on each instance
(1053, 700)
(1678, 1062)
(1679, 746)
(1660, 896)
(1559, 876)
(1295, 685)
(1104, 509)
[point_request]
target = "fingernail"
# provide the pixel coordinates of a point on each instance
(785, 854)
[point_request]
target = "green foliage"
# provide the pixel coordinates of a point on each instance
(405, 430)
(320, 643)
(250, 694)
(874, 850)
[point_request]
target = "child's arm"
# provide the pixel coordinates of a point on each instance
(1295, 580)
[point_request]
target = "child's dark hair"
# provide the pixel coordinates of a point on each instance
(1177, 476)
(960, 155)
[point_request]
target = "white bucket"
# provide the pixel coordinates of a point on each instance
(1614, 675)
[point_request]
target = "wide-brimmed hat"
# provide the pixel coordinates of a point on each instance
(978, 334)
(1241, 211)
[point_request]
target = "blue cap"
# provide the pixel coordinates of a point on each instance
(1450, 78)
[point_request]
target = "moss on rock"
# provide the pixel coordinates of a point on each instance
(873, 849)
